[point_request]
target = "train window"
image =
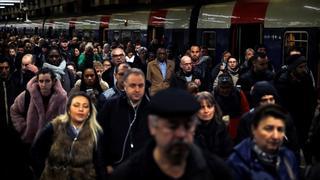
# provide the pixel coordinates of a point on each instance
(125, 36)
(295, 39)
(116, 35)
(209, 40)
(105, 35)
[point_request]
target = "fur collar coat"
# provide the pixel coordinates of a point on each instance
(29, 123)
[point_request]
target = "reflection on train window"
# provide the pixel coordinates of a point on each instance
(297, 40)
(209, 41)
(125, 36)
(136, 36)
(116, 35)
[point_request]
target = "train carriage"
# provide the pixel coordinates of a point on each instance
(230, 25)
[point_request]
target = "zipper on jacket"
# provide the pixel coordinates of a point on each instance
(5, 101)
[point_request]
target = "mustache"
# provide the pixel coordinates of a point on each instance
(178, 151)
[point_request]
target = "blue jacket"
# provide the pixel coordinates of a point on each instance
(246, 166)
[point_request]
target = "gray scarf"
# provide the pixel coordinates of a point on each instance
(58, 70)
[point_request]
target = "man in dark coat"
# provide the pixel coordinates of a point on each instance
(185, 74)
(6, 89)
(298, 95)
(172, 153)
(13, 161)
(22, 75)
(258, 72)
(118, 57)
(123, 120)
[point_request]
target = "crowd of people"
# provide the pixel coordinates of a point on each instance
(76, 109)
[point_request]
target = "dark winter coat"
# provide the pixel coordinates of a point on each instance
(200, 165)
(214, 138)
(246, 166)
(29, 123)
(299, 98)
(234, 105)
(291, 141)
(179, 80)
(6, 100)
(248, 79)
(20, 80)
(115, 118)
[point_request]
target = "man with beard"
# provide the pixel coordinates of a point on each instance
(258, 72)
(200, 66)
(160, 72)
(172, 154)
(298, 95)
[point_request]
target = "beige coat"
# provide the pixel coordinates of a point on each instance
(155, 77)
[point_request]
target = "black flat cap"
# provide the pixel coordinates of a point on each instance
(173, 102)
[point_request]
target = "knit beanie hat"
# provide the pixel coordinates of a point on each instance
(225, 79)
(294, 61)
(260, 89)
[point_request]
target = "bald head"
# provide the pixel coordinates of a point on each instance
(186, 64)
(26, 60)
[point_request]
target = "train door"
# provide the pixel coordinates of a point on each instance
(136, 36)
(245, 36)
(178, 41)
(155, 32)
(72, 31)
(125, 36)
(208, 40)
(50, 32)
(36, 30)
(105, 35)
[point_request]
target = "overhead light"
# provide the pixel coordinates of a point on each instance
(11, 1)
(2, 7)
(312, 7)
(6, 4)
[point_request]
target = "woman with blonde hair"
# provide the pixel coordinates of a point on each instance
(69, 146)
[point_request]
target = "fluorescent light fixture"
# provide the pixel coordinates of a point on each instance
(2, 7)
(11, 1)
(312, 7)
(6, 4)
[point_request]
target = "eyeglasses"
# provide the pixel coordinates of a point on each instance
(186, 64)
(117, 55)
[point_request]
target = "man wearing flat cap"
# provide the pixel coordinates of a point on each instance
(298, 94)
(172, 154)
